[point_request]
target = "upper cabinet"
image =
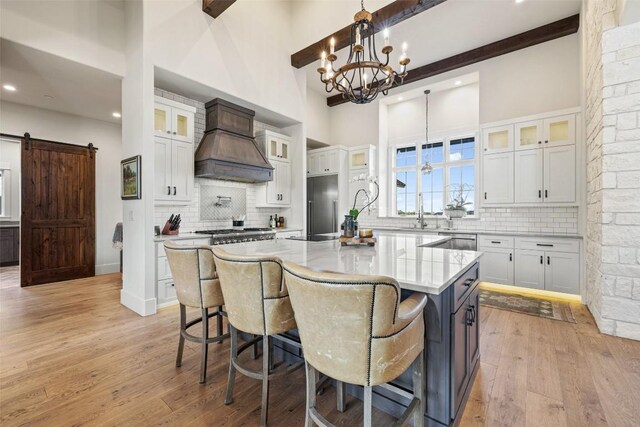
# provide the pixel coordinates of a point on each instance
(324, 161)
(173, 120)
(173, 153)
(551, 132)
(537, 166)
(276, 146)
(497, 139)
(362, 158)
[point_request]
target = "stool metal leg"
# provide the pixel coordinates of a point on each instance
(219, 323)
(183, 322)
(205, 345)
(340, 396)
(367, 406)
(419, 387)
(266, 341)
(311, 393)
(232, 368)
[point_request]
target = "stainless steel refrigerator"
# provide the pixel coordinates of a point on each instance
(322, 205)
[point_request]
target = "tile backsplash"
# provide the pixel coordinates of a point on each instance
(546, 220)
(191, 217)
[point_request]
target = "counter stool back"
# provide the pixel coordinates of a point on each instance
(197, 285)
(256, 302)
(354, 329)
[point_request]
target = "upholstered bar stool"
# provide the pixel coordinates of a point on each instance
(354, 329)
(257, 303)
(197, 285)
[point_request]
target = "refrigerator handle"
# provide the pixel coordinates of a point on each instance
(309, 218)
(334, 217)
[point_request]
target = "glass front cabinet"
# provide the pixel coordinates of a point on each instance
(497, 139)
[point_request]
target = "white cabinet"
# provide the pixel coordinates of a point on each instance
(324, 162)
(173, 174)
(562, 272)
(362, 158)
(560, 174)
(528, 176)
(497, 178)
(172, 120)
(173, 152)
(560, 130)
(530, 269)
(276, 146)
(277, 192)
(497, 139)
(496, 265)
(529, 135)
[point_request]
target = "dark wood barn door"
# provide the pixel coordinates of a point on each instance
(58, 212)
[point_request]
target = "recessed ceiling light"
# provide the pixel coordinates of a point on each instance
(116, 115)
(519, 1)
(400, 98)
(10, 88)
(458, 83)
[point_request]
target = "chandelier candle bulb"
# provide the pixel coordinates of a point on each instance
(333, 46)
(386, 38)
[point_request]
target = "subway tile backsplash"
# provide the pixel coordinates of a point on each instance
(526, 220)
(191, 221)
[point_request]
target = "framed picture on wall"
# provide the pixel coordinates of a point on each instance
(130, 178)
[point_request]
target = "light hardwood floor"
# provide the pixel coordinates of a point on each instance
(70, 354)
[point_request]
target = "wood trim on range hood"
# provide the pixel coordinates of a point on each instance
(545, 33)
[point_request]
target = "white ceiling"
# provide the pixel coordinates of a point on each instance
(456, 26)
(70, 87)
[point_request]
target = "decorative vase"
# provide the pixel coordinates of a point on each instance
(349, 226)
(455, 213)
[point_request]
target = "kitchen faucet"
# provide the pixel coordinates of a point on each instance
(420, 219)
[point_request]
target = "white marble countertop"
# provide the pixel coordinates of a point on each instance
(181, 236)
(397, 255)
(433, 231)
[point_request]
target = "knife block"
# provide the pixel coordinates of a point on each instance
(167, 231)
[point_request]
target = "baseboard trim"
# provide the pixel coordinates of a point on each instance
(107, 268)
(168, 304)
(141, 306)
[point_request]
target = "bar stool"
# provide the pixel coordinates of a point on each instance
(257, 303)
(197, 285)
(354, 329)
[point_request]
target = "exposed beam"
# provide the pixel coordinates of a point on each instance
(386, 17)
(216, 7)
(557, 29)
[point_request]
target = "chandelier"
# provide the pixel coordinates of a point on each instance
(364, 76)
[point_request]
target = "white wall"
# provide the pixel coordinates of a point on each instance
(18, 119)
(10, 155)
(449, 111)
(318, 117)
(245, 52)
(88, 32)
(534, 80)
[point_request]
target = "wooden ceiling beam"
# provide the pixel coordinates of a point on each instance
(545, 33)
(214, 8)
(386, 17)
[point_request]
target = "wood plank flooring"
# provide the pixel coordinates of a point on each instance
(70, 354)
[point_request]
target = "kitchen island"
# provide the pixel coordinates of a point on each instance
(448, 277)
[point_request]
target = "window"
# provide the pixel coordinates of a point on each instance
(452, 178)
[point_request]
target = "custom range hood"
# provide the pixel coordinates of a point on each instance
(228, 150)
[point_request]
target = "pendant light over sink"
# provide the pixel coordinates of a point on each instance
(364, 76)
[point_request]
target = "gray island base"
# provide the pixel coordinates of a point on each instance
(452, 316)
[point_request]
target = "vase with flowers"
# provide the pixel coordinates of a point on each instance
(458, 200)
(369, 199)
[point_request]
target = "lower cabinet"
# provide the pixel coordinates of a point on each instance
(497, 265)
(544, 263)
(465, 348)
(9, 246)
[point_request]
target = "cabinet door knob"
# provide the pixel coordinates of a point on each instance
(485, 195)
(548, 260)
(510, 257)
(539, 194)
(168, 190)
(541, 259)
(174, 133)
(539, 142)
(546, 194)
(174, 191)
(546, 142)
